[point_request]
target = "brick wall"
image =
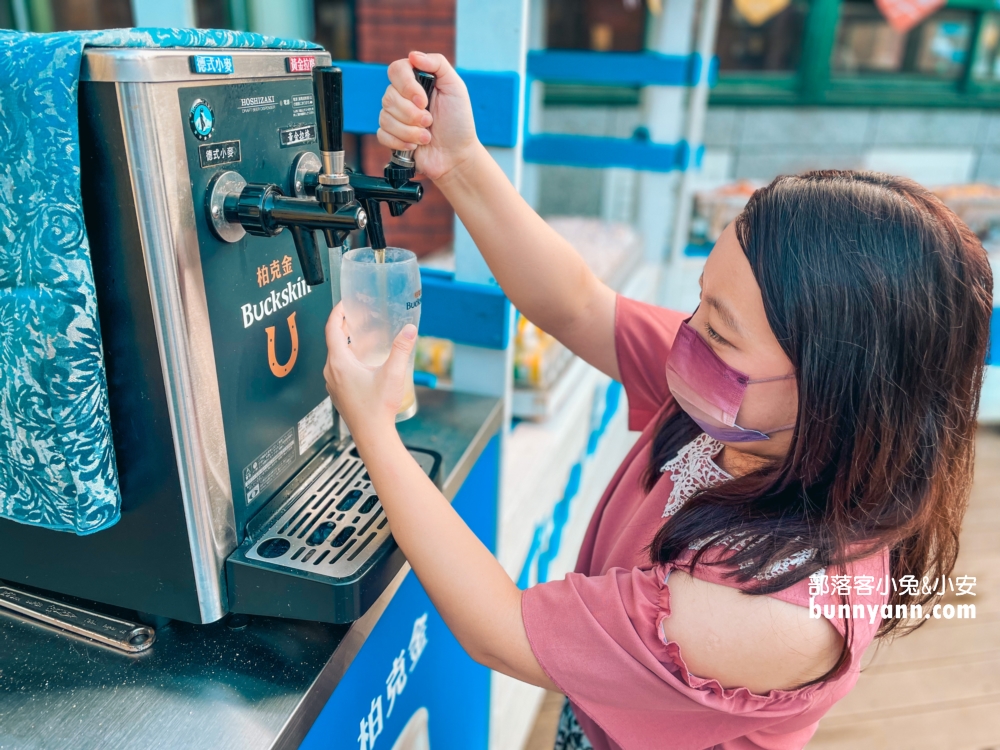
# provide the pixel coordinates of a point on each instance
(387, 30)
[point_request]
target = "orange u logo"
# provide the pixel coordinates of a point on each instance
(282, 370)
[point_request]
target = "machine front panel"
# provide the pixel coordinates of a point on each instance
(267, 325)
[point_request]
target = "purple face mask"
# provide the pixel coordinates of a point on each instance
(709, 390)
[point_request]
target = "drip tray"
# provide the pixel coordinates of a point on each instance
(335, 523)
(322, 548)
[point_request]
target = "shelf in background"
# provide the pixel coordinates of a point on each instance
(613, 252)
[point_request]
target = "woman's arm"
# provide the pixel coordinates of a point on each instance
(541, 273)
(472, 592)
(756, 642)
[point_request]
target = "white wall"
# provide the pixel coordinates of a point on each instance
(292, 19)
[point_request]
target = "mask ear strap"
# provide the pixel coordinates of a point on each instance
(770, 380)
(780, 429)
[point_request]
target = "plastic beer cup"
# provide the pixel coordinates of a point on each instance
(379, 300)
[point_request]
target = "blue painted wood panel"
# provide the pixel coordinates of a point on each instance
(600, 152)
(494, 95)
(411, 669)
(473, 314)
(615, 68)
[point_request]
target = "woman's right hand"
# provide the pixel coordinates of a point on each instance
(445, 137)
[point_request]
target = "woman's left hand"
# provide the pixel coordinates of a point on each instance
(368, 398)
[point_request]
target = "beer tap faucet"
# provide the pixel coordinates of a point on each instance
(236, 207)
(333, 189)
(396, 187)
(398, 175)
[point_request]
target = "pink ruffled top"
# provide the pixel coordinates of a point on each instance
(597, 633)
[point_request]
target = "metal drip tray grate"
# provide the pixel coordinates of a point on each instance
(334, 524)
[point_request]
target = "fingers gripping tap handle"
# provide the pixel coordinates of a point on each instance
(427, 81)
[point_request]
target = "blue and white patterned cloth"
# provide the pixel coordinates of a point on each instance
(569, 734)
(57, 463)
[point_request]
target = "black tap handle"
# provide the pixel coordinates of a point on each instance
(374, 229)
(309, 257)
(427, 81)
(328, 90)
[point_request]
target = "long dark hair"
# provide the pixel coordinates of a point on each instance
(881, 298)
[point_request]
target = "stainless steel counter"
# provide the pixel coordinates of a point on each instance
(245, 684)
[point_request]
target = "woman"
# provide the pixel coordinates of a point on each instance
(811, 424)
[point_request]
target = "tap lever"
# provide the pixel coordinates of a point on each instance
(309, 257)
(332, 188)
(376, 234)
(328, 88)
(328, 96)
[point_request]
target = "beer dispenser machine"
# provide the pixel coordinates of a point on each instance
(202, 196)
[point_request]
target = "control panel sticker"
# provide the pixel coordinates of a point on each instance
(302, 105)
(212, 64)
(223, 152)
(314, 424)
(297, 135)
(300, 64)
(201, 119)
(267, 469)
(257, 103)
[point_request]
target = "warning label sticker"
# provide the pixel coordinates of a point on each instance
(302, 106)
(314, 424)
(264, 472)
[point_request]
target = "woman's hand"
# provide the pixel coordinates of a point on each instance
(368, 398)
(443, 138)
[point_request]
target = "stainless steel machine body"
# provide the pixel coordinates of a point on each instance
(212, 321)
